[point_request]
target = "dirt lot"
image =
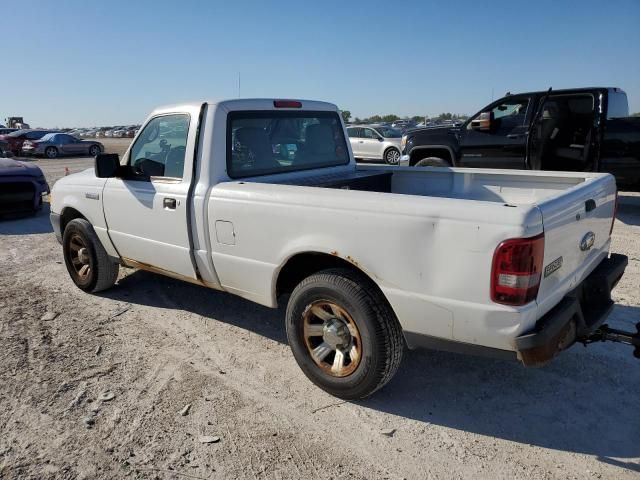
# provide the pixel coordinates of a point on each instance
(158, 345)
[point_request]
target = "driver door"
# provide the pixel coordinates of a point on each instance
(497, 138)
(147, 215)
(371, 144)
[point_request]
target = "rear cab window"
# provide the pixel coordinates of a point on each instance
(268, 142)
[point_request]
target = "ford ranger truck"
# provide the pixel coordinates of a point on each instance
(263, 199)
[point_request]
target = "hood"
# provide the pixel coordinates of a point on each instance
(431, 130)
(10, 167)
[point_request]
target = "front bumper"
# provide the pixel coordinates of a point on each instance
(55, 223)
(21, 193)
(581, 312)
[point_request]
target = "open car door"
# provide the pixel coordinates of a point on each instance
(533, 159)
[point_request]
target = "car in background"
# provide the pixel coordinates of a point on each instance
(403, 124)
(17, 138)
(54, 145)
(5, 131)
(375, 142)
(22, 186)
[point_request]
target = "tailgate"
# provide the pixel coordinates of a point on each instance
(576, 223)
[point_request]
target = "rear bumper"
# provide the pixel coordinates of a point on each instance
(582, 311)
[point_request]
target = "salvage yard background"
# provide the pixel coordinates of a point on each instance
(161, 379)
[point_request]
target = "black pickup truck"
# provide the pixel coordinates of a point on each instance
(584, 129)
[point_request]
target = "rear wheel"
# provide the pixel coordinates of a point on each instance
(94, 150)
(432, 162)
(343, 334)
(51, 152)
(392, 156)
(87, 262)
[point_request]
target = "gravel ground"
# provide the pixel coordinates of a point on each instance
(156, 345)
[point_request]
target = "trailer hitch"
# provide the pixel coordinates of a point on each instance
(607, 334)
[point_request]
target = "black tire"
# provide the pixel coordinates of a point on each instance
(432, 162)
(392, 156)
(94, 150)
(51, 152)
(102, 272)
(379, 332)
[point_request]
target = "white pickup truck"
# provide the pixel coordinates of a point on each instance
(262, 198)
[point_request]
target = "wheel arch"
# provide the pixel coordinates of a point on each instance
(442, 151)
(68, 214)
(303, 264)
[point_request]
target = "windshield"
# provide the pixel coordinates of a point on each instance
(266, 142)
(388, 132)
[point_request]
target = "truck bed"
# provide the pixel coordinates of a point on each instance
(513, 188)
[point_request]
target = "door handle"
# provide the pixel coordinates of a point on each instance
(590, 205)
(169, 203)
(361, 141)
(516, 135)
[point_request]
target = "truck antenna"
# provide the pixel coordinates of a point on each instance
(238, 84)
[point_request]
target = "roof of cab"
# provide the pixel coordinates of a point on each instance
(248, 104)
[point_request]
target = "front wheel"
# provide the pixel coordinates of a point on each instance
(51, 152)
(87, 262)
(392, 156)
(343, 334)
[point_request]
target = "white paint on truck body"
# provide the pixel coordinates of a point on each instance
(428, 244)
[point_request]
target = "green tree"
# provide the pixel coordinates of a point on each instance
(390, 118)
(346, 115)
(637, 114)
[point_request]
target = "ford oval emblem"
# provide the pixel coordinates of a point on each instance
(587, 241)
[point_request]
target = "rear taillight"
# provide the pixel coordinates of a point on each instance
(516, 270)
(615, 212)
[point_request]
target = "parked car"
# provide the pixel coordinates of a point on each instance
(17, 138)
(22, 186)
(54, 145)
(375, 143)
(5, 131)
(583, 129)
(513, 264)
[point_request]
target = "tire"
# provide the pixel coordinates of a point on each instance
(432, 162)
(354, 313)
(94, 150)
(81, 244)
(392, 156)
(51, 152)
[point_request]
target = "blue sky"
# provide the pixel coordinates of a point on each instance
(85, 63)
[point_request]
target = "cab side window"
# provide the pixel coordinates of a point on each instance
(354, 132)
(160, 149)
(502, 118)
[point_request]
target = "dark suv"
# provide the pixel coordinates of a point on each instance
(585, 129)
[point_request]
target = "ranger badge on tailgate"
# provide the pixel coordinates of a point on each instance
(552, 267)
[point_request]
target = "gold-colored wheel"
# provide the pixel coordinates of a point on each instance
(79, 255)
(332, 338)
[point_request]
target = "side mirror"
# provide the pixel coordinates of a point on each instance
(483, 122)
(107, 165)
(380, 139)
